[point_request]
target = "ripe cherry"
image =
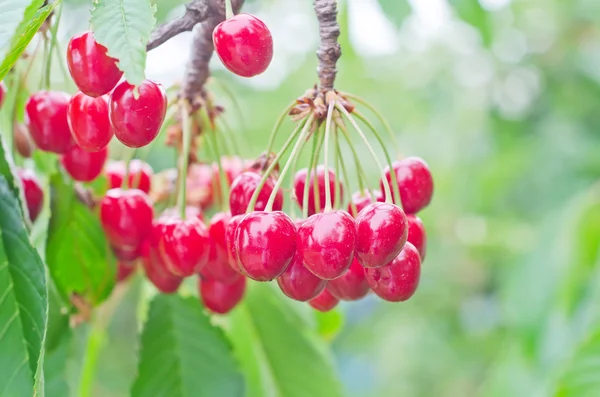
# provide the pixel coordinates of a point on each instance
(298, 283)
(32, 190)
(218, 267)
(327, 242)
(84, 166)
(2, 92)
(124, 270)
(398, 280)
(220, 297)
(199, 185)
(265, 243)
(243, 188)
(114, 171)
(126, 254)
(92, 70)
(140, 175)
(381, 232)
(244, 45)
(88, 121)
(46, 118)
(414, 182)
(185, 245)
(126, 216)
(300, 182)
(230, 233)
(417, 235)
(157, 272)
(137, 121)
(324, 302)
(362, 199)
(352, 285)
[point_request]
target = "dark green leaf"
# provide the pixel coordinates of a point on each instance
(77, 253)
(281, 356)
(124, 27)
(395, 10)
(581, 376)
(23, 301)
(182, 354)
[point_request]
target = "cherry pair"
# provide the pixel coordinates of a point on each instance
(139, 176)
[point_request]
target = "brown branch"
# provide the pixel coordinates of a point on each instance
(329, 50)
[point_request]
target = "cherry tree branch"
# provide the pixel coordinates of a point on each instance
(329, 50)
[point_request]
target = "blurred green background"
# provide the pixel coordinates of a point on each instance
(502, 99)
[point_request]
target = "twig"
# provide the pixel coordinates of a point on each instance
(329, 50)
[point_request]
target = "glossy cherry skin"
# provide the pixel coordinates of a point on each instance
(158, 274)
(218, 267)
(243, 188)
(352, 285)
(221, 297)
(46, 119)
(362, 199)
(381, 232)
(230, 233)
(82, 165)
(126, 216)
(2, 92)
(417, 235)
(324, 302)
(298, 283)
(414, 182)
(125, 270)
(88, 121)
(300, 183)
(137, 121)
(32, 190)
(398, 280)
(327, 242)
(92, 70)
(185, 245)
(244, 45)
(265, 243)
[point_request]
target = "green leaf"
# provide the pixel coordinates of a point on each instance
(124, 27)
(182, 354)
(580, 377)
(55, 368)
(78, 256)
(280, 354)
(12, 14)
(395, 10)
(23, 301)
(33, 19)
(329, 323)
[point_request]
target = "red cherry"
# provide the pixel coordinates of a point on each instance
(114, 171)
(124, 270)
(137, 121)
(243, 188)
(2, 92)
(298, 283)
(126, 216)
(414, 182)
(127, 254)
(398, 280)
(265, 243)
(32, 190)
(300, 182)
(381, 232)
(230, 233)
(218, 267)
(220, 297)
(244, 45)
(92, 70)
(158, 274)
(88, 121)
(352, 285)
(46, 118)
(327, 242)
(324, 302)
(185, 245)
(140, 175)
(199, 185)
(84, 166)
(362, 199)
(417, 235)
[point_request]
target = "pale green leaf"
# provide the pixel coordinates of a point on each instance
(124, 27)
(182, 354)
(580, 377)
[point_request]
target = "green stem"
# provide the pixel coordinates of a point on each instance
(386, 184)
(362, 177)
(312, 171)
(346, 181)
(230, 144)
(228, 9)
(276, 127)
(43, 83)
(326, 156)
(185, 155)
(395, 187)
(234, 101)
(336, 161)
(53, 41)
(212, 141)
(293, 155)
(273, 164)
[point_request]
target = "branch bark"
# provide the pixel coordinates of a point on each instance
(329, 50)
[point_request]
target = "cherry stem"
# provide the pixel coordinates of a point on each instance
(346, 181)
(232, 97)
(273, 164)
(276, 127)
(229, 143)
(53, 31)
(43, 82)
(326, 156)
(359, 169)
(395, 187)
(336, 161)
(125, 182)
(184, 156)
(386, 184)
(228, 9)
(293, 155)
(313, 159)
(213, 144)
